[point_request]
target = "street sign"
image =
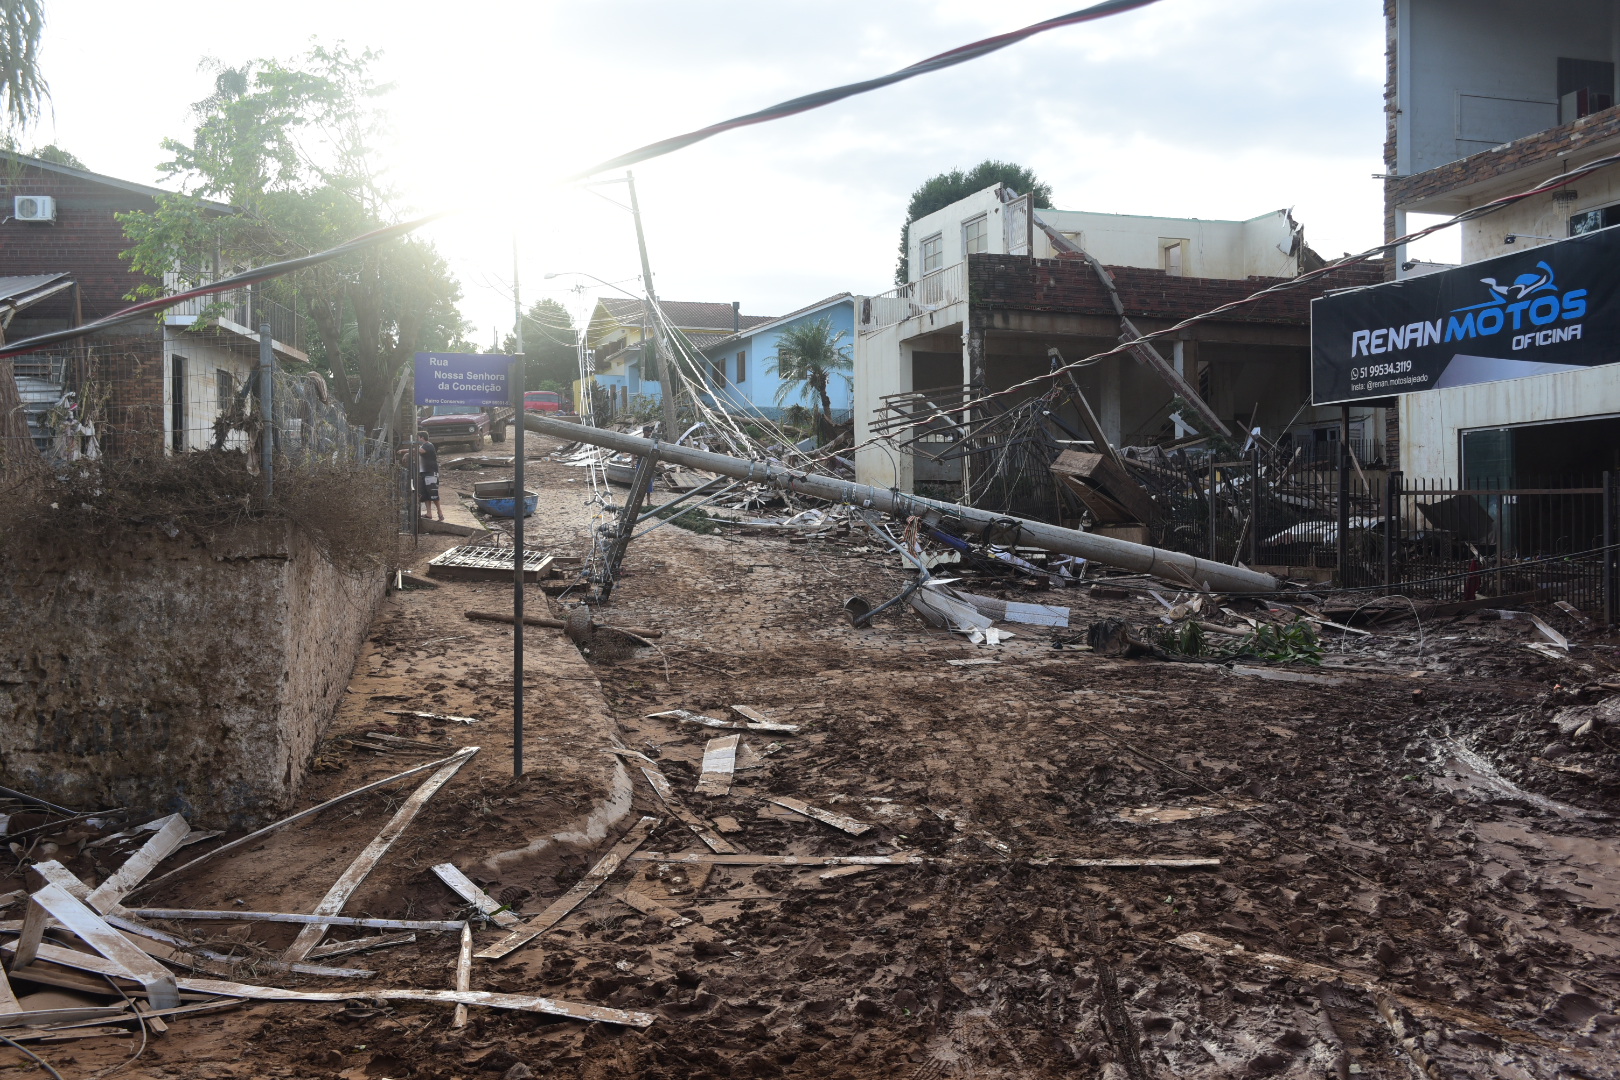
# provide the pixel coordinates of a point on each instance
(471, 379)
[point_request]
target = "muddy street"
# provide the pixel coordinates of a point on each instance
(1400, 861)
(1416, 859)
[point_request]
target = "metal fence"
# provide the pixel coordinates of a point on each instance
(1373, 528)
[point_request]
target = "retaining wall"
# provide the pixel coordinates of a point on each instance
(173, 674)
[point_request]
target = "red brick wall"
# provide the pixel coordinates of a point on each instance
(84, 241)
(132, 423)
(1541, 148)
(1070, 285)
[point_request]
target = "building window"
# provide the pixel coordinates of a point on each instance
(177, 403)
(933, 253)
(717, 369)
(1593, 220)
(224, 389)
(742, 366)
(1173, 256)
(976, 235)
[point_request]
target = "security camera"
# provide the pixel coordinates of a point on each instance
(1408, 265)
(1509, 238)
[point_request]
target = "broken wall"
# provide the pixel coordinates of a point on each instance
(174, 673)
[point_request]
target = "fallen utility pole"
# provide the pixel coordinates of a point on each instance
(1172, 566)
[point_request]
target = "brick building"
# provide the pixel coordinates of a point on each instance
(147, 386)
(988, 321)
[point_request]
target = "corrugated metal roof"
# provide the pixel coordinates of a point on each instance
(686, 314)
(21, 285)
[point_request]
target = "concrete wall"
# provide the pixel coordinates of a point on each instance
(1262, 246)
(1259, 247)
(200, 364)
(1473, 74)
(1431, 421)
(168, 674)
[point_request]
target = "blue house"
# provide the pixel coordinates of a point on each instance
(740, 363)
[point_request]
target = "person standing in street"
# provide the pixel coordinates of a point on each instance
(427, 475)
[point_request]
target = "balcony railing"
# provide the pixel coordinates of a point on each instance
(241, 311)
(929, 293)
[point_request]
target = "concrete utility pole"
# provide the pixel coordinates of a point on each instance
(666, 359)
(1171, 566)
(519, 502)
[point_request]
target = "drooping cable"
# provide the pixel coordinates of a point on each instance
(950, 58)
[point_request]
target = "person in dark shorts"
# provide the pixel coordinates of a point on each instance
(427, 475)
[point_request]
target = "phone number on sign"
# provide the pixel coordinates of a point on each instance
(1399, 367)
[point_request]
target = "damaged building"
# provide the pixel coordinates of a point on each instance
(1002, 290)
(1484, 102)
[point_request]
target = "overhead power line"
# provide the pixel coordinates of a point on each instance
(960, 55)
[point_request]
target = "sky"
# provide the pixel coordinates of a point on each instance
(1195, 108)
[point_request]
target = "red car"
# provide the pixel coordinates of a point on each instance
(542, 401)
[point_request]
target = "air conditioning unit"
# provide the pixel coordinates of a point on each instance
(33, 208)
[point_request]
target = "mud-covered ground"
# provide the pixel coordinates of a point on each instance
(1417, 865)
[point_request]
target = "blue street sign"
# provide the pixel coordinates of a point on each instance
(472, 379)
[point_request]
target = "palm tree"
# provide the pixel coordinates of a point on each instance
(22, 88)
(808, 356)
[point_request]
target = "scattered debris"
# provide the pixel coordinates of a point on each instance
(828, 817)
(719, 764)
(689, 717)
(568, 901)
(432, 716)
(463, 886)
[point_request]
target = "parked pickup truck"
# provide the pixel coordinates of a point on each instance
(455, 424)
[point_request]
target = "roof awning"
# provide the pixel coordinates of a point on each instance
(17, 293)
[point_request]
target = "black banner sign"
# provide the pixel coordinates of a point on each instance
(1551, 308)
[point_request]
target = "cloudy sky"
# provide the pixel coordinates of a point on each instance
(1199, 108)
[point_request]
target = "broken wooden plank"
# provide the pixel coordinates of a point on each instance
(219, 1005)
(84, 923)
(842, 872)
(780, 860)
(365, 944)
(648, 906)
(458, 1019)
(690, 717)
(98, 1014)
(1277, 675)
(463, 886)
(568, 901)
(904, 860)
(666, 795)
(344, 887)
(179, 952)
(519, 1002)
(189, 914)
(758, 721)
(432, 716)
(719, 764)
(135, 869)
(364, 789)
(827, 817)
(1129, 863)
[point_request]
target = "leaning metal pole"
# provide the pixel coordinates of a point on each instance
(1172, 566)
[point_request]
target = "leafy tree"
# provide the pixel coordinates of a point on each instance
(22, 87)
(550, 345)
(288, 146)
(56, 156)
(807, 358)
(940, 191)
